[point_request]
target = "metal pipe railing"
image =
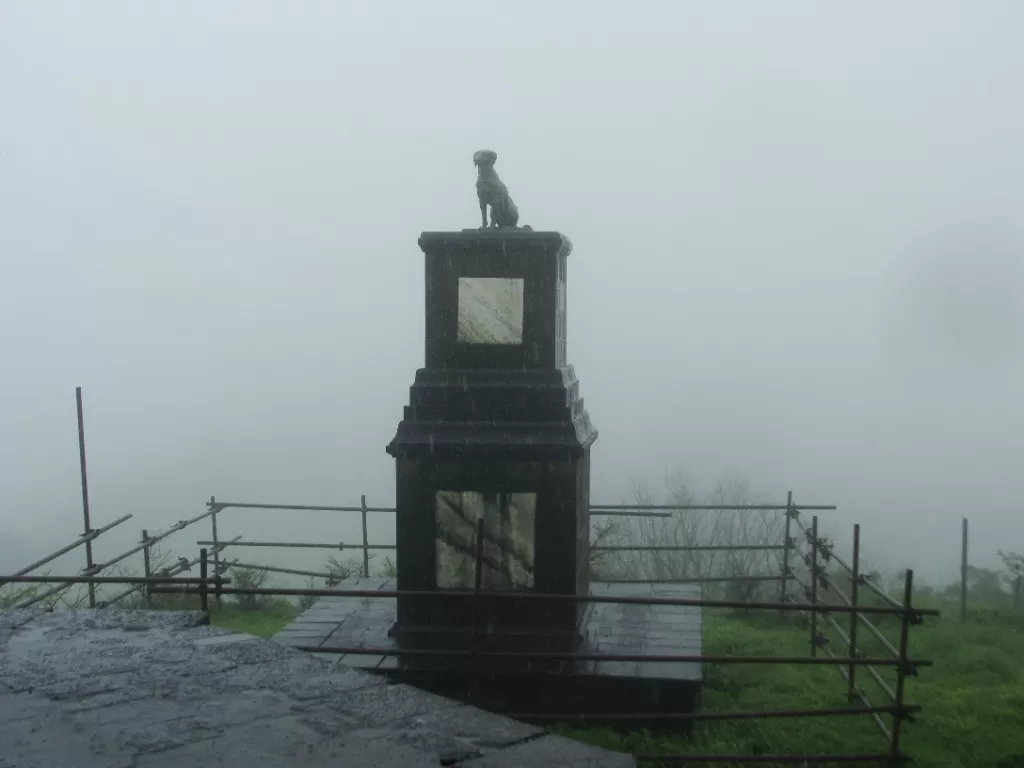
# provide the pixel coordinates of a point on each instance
(93, 570)
(707, 548)
(715, 716)
(715, 507)
(699, 579)
(68, 548)
(468, 653)
(171, 572)
(541, 596)
(276, 569)
(340, 546)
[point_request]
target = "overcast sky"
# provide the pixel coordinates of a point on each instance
(797, 229)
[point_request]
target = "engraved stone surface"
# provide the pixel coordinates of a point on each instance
(490, 310)
(508, 552)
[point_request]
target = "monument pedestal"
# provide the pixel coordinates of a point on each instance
(495, 430)
(492, 488)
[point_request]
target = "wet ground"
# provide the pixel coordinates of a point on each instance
(140, 689)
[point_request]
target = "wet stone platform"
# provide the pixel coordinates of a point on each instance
(606, 688)
(148, 689)
(612, 628)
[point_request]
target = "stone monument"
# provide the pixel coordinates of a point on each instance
(495, 430)
(495, 441)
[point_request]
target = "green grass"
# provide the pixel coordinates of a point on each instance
(973, 696)
(265, 622)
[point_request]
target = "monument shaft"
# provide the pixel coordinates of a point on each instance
(495, 430)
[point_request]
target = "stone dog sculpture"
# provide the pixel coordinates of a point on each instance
(492, 192)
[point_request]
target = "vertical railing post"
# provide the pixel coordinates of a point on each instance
(903, 669)
(474, 680)
(204, 598)
(216, 550)
(854, 591)
(814, 585)
(85, 495)
(963, 573)
(366, 540)
(785, 547)
(147, 568)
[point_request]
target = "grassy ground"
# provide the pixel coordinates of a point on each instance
(973, 697)
(263, 623)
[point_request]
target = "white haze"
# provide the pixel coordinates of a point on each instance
(797, 230)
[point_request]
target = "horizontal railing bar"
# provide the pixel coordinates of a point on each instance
(64, 550)
(625, 511)
(716, 507)
(298, 507)
(604, 512)
(341, 546)
(810, 759)
(694, 716)
(87, 572)
(814, 661)
(595, 509)
(617, 599)
(709, 548)
(275, 569)
(104, 580)
(306, 544)
(697, 580)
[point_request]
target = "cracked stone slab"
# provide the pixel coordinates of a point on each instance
(234, 637)
(386, 704)
(139, 689)
(455, 734)
(552, 750)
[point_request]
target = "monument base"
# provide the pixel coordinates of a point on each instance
(530, 688)
(488, 641)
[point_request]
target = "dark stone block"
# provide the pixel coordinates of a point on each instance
(495, 428)
(536, 258)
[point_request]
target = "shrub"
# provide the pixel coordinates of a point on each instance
(250, 578)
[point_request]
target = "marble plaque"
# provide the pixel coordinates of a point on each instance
(508, 550)
(490, 310)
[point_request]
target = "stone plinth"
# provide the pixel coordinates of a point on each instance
(495, 429)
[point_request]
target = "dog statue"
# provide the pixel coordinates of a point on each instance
(490, 190)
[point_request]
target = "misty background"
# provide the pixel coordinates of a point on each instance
(797, 252)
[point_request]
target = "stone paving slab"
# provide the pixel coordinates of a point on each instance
(611, 628)
(150, 689)
(625, 628)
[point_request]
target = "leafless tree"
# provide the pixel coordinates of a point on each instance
(737, 571)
